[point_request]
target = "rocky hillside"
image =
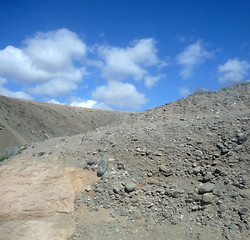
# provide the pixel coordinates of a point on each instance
(23, 121)
(179, 171)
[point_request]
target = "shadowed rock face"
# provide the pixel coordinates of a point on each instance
(180, 170)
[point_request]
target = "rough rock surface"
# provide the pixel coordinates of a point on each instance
(159, 160)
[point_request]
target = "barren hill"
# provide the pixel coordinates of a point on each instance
(179, 171)
(23, 121)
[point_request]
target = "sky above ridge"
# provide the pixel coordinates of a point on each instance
(123, 55)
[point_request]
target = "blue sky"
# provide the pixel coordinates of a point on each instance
(122, 55)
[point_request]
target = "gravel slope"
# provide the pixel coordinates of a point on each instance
(179, 171)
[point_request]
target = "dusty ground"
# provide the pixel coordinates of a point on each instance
(180, 171)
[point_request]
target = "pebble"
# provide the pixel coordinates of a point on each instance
(243, 211)
(130, 187)
(207, 198)
(102, 167)
(207, 177)
(165, 171)
(198, 153)
(91, 162)
(205, 188)
(241, 138)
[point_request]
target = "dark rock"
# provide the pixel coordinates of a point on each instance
(243, 211)
(102, 167)
(220, 145)
(241, 138)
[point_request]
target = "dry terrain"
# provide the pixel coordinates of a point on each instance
(179, 171)
(23, 121)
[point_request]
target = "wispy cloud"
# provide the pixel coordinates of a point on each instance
(184, 91)
(192, 56)
(233, 70)
(150, 81)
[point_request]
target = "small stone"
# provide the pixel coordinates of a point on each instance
(207, 198)
(130, 187)
(195, 208)
(102, 167)
(174, 220)
(90, 162)
(120, 166)
(198, 153)
(196, 170)
(241, 138)
(117, 189)
(165, 171)
(88, 188)
(220, 145)
(243, 211)
(207, 177)
(237, 148)
(224, 151)
(233, 194)
(196, 197)
(205, 188)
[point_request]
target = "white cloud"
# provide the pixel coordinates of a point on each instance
(150, 80)
(46, 58)
(84, 104)
(192, 56)
(233, 70)
(119, 95)
(54, 101)
(19, 94)
(120, 63)
(89, 104)
(184, 91)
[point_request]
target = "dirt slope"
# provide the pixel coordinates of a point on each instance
(179, 171)
(23, 121)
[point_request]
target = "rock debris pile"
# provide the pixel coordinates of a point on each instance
(179, 171)
(186, 162)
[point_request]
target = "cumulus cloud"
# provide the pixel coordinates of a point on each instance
(19, 94)
(233, 70)
(150, 80)
(119, 95)
(192, 56)
(120, 63)
(45, 59)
